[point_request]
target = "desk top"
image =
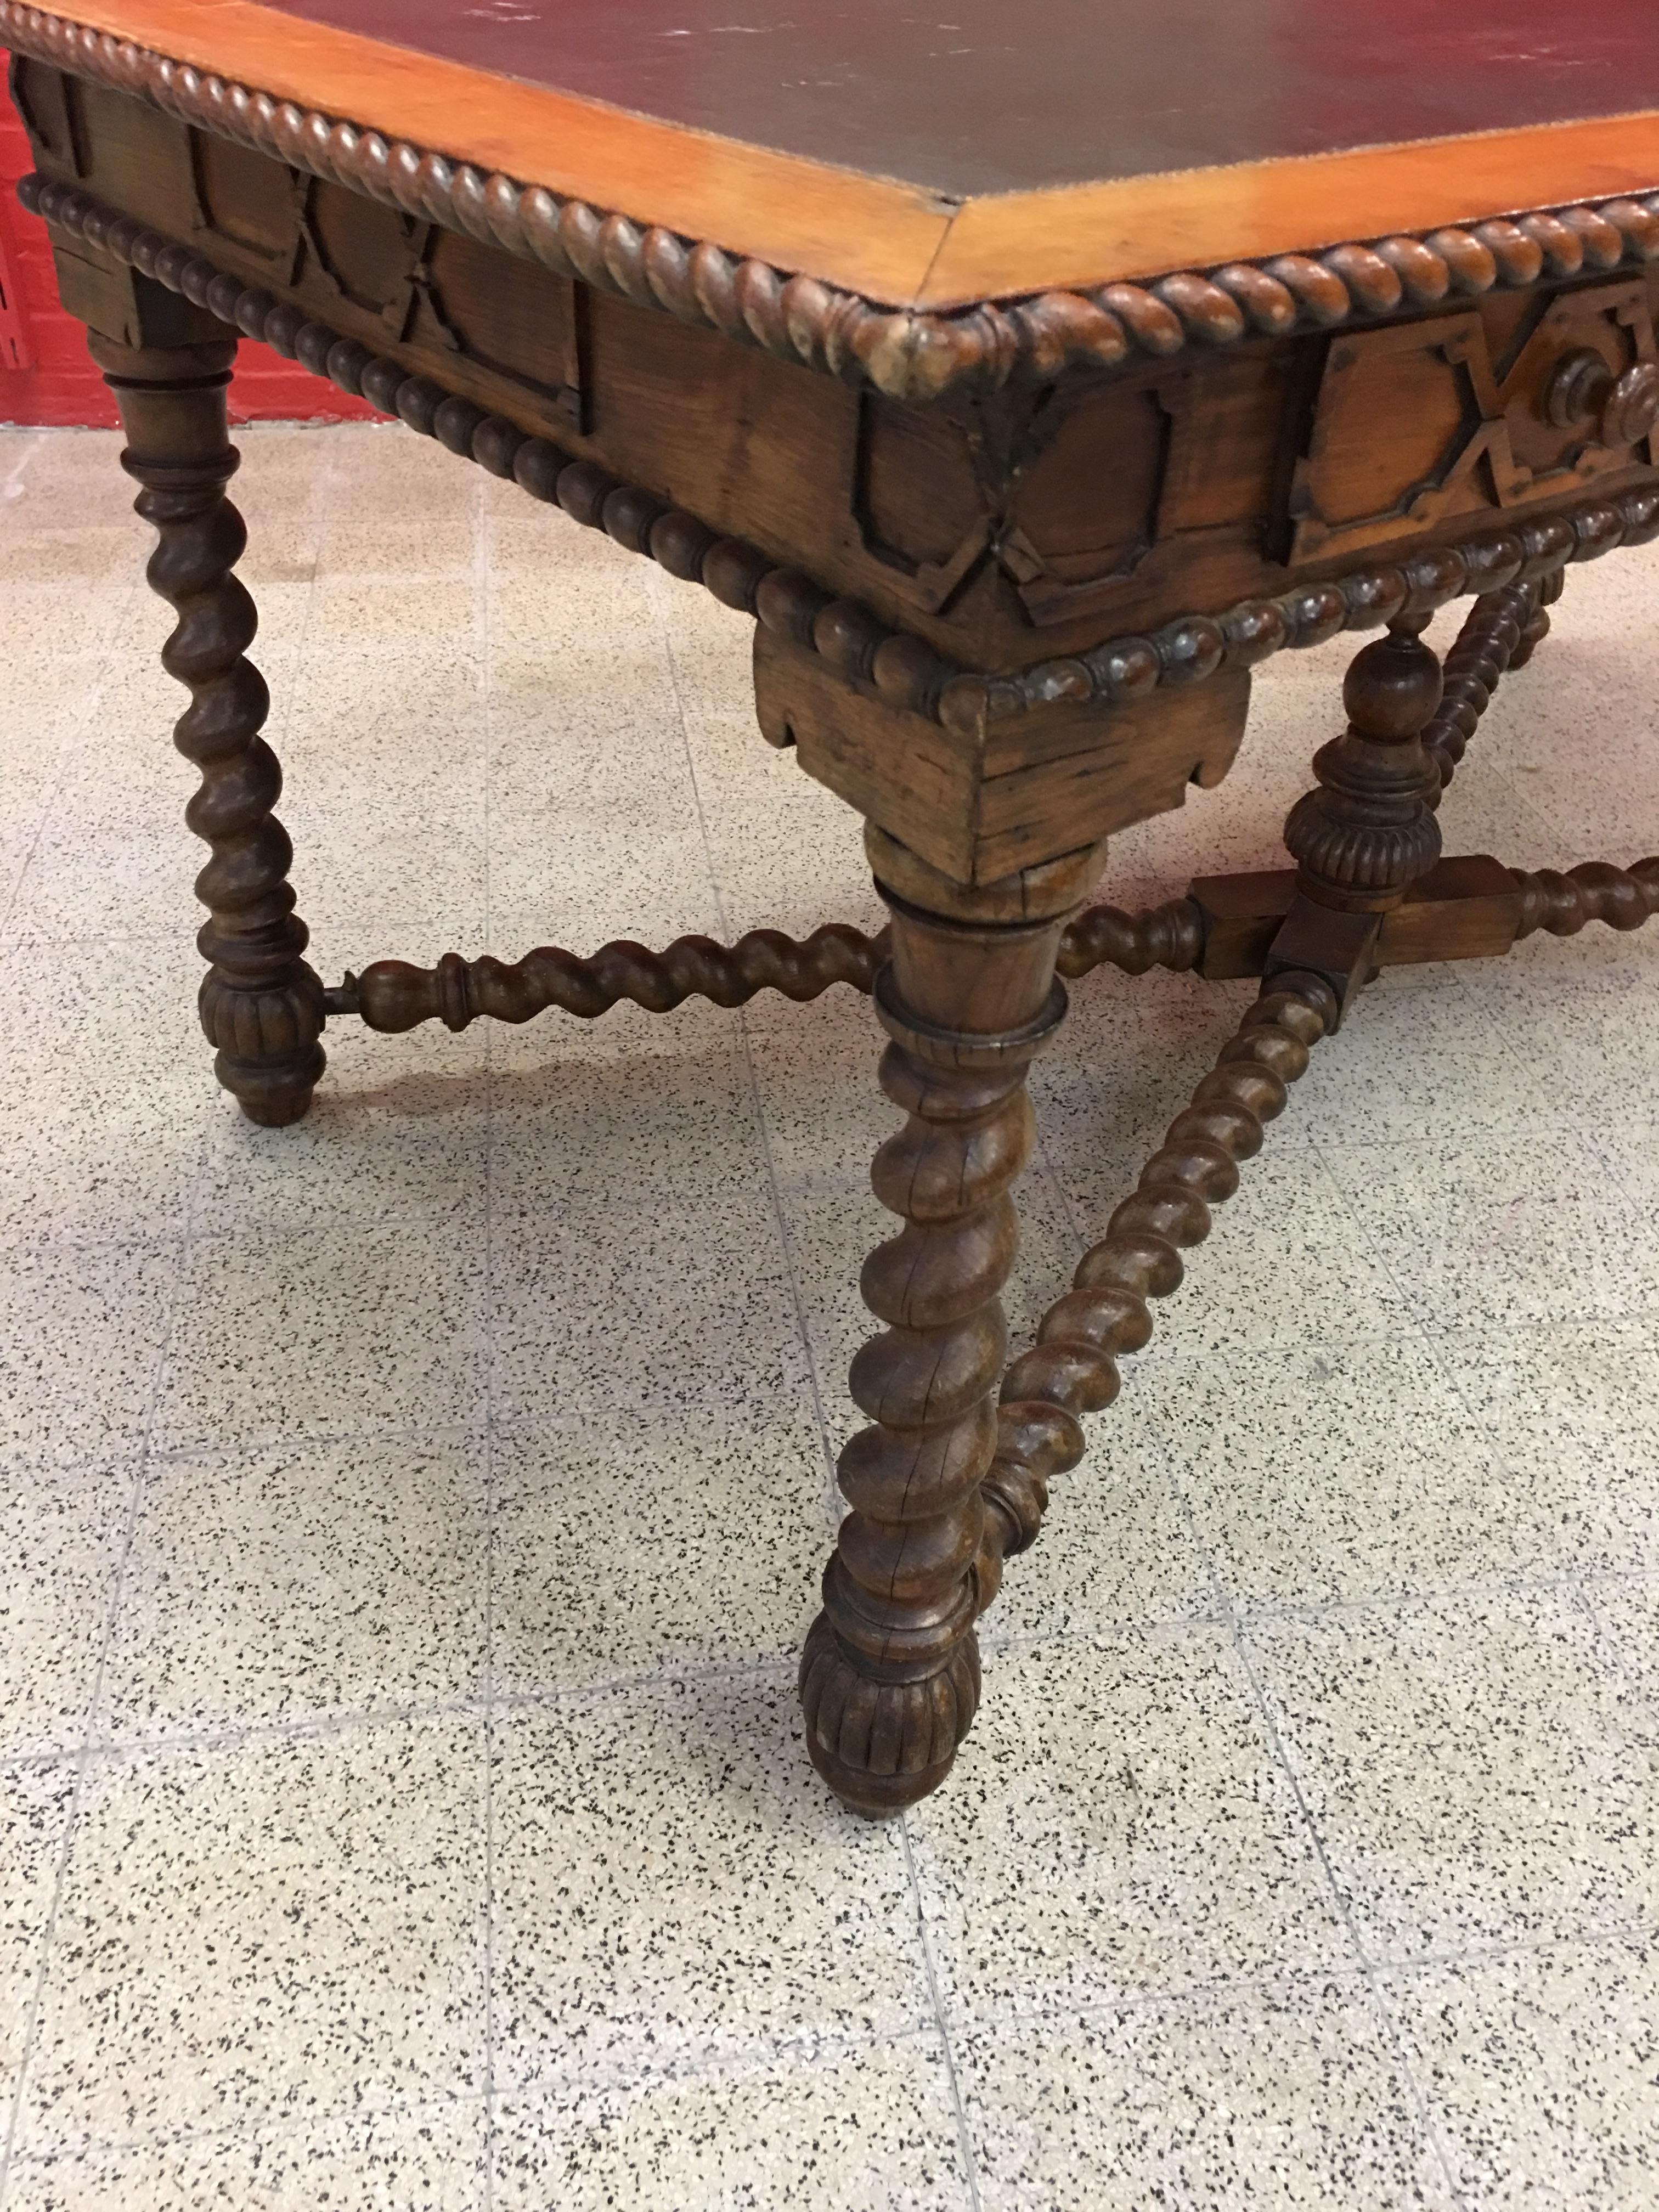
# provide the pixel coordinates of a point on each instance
(932, 156)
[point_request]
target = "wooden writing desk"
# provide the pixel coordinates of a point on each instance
(1030, 376)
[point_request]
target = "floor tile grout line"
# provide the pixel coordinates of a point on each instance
(826, 1447)
(1575, 1588)
(37, 1993)
(258, 1444)
(1230, 1625)
(1431, 1332)
(1231, 1989)
(808, 2050)
(760, 1665)
(28, 446)
(1419, 1313)
(94, 1708)
(1600, 1937)
(965, 2136)
(1422, 1597)
(1425, 2117)
(62, 757)
(279, 2123)
(341, 1721)
(1223, 1990)
(657, 588)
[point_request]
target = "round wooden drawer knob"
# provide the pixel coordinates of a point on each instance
(1582, 388)
(1632, 408)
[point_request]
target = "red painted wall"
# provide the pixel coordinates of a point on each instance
(60, 385)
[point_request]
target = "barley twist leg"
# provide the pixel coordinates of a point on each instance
(889, 1675)
(261, 1006)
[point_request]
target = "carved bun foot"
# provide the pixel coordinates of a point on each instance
(275, 1097)
(268, 1055)
(882, 1746)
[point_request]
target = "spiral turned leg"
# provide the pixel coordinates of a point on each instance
(1545, 594)
(261, 1006)
(889, 1675)
(1485, 648)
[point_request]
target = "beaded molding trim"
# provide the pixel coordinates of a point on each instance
(906, 671)
(907, 353)
(1186, 651)
(903, 670)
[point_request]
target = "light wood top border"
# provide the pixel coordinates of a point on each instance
(744, 241)
(1091, 235)
(867, 233)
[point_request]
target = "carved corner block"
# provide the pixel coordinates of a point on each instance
(981, 799)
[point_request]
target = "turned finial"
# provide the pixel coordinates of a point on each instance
(1393, 686)
(1367, 832)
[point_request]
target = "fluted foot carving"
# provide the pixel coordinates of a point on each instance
(261, 1006)
(889, 1676)
(883, 1745)
(1367, 831)
(267, 1048)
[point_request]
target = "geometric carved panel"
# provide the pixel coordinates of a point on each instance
(916, 498)
(362, 247)
(1419, 424)
(533, 327)
(1085, 510)
(934, 495)
(242, 196)
(423, 285)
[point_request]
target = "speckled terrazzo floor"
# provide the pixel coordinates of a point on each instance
(409, 1519)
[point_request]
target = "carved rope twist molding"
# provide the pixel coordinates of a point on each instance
(855, 642)
(901, 668)
(1193, 648)
(909, 354)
